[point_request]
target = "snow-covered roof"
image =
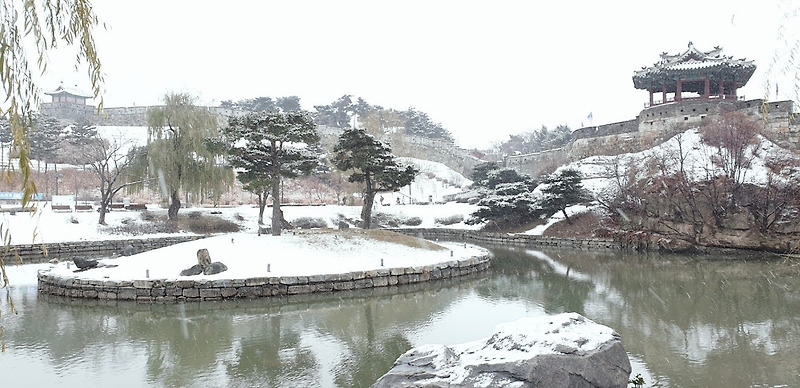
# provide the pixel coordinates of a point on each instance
(73, 90)
(694, 63)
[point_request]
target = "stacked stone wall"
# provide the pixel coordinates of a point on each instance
(178, 291)
(37, 253)
(522, 240)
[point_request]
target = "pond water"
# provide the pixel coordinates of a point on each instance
(686, 322)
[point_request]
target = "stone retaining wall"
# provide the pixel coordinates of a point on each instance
(176, 291)
(38, 253)
(512, 239)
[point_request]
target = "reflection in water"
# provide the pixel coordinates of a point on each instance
(685, 321)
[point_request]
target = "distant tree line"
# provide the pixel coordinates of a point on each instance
(539, 140)
(348, 112)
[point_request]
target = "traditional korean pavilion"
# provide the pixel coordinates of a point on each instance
(64, 94)
(694, 74)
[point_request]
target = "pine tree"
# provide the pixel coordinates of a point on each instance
(373, 165)
(562, 189)
(268, 146)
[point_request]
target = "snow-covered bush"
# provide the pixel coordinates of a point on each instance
(450, 220)
(412, 221)
(309, 223)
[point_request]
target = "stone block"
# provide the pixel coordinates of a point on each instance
(382, 281)
(209, 293)
(319, 278)
(255, 282)
(362, 283)
(324, 287)
(191, 292)
(142, 292)
(228, 292)
(341, 286)
(185, 284)
(246, 292)
(301, 289)
(126, 293)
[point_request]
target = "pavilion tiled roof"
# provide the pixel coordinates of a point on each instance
(69, 90)
(694, 64)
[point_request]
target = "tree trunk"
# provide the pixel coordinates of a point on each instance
(564, 212)
(366, 210)
(174, 206)
(262, 203)
(102, 210)
(277, 217)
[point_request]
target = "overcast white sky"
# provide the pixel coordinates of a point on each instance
(483, 69)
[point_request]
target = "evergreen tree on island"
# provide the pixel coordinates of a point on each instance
(373, 165)
(266, 147)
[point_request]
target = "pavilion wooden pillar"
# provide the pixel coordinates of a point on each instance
(678, 90)
(707, 89)
(722, 88)
(664, 93)
(651, 95)
(734, 88)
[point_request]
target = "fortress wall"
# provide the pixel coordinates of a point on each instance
(127, 116)
(539, 163)
(444, 152)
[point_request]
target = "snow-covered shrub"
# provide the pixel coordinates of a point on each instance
(385, 220)
(138, 229)
(309, 223)
(148, 215)
(412, 221)
(205, 225)
(450, 220)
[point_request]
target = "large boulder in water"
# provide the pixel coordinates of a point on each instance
(565, 350)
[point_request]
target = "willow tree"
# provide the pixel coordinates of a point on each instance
(30, 29)
(178, 157)
(268, 146)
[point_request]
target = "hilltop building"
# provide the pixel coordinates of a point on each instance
(68, 103)
(700, 74)
(695, 87)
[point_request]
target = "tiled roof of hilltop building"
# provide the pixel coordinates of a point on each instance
(694, 64)
(69, 90)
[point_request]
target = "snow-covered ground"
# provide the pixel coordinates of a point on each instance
(47, 226)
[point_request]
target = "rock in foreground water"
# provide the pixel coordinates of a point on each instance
(565, 350)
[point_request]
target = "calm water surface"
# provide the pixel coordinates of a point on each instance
(686, 322)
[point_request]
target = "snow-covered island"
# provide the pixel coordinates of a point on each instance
(296, 263)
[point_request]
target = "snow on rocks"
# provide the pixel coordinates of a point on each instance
(565, 350)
